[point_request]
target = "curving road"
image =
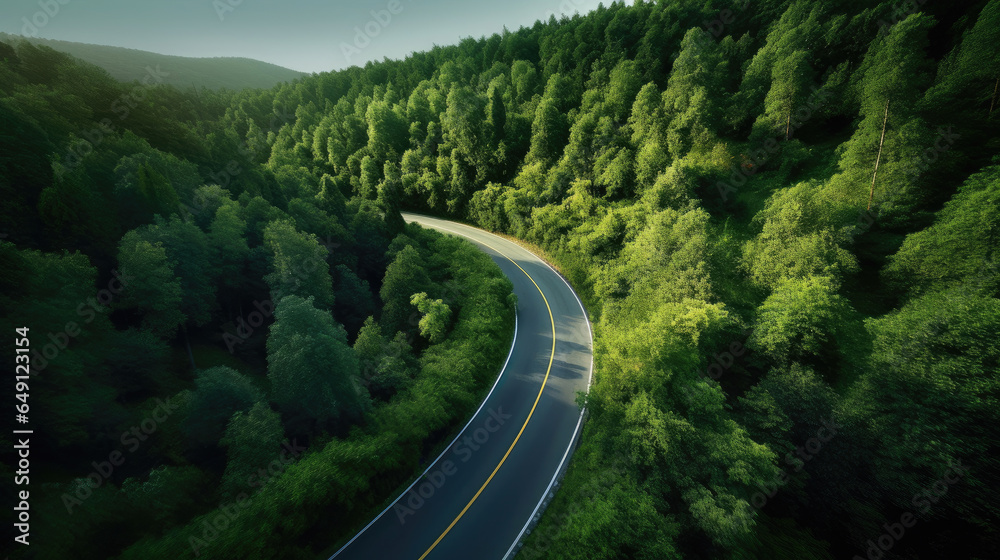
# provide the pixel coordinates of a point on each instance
(478, 497)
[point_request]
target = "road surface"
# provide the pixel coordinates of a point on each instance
(476, 499)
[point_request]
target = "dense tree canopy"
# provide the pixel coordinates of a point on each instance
(781, 215)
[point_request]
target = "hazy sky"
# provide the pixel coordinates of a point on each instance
(306, 35)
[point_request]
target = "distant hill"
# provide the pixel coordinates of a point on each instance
(214, 73)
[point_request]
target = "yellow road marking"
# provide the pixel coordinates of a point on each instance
(526, 420)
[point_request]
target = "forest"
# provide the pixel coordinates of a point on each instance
(213, 335)
(781, 215)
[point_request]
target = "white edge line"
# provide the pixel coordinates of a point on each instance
(576, 431)
(579, 421)
(419, 478)
(590, 377)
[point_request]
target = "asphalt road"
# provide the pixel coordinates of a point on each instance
(476, 498)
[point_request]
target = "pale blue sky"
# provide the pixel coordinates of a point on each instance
(306, 35)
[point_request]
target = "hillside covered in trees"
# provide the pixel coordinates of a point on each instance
(783, 217)
(180, 71)
(210, 333)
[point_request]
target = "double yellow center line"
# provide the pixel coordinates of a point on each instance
(526, 420)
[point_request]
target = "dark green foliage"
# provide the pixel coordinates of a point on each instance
(226, 236)
(186, 247)
(787, 407)
(136, 363)
(156, 292)
(960, 248)
(24, 169)
(353, 299)
(700, 172)
(298, 265)
(927, 400)
(387, 365)
(404, 277)
(392, 442)
(253, 440)
(55, 296)
(167, 495)
(219, 393)
(312, 370)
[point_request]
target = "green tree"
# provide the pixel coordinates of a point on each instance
(790, 80)
(253, 440)
(979, 60)
(156, 292)
(549, 133)
(188, 249)
(330, 197)
(219, 393)
(802, 321)
(144, 193)
(524, 78)
(614, 171)
(371, 176)
(689, 106)
(787, 406)
(496, 110)
(404, 277)
(437, 316)
(298, 264)
(168, 494)
(664, 262)
(54, 295)
(25, 169)
(353, 300)
(893, 75)
(313, 372)
(387, 130)
(960, 247)
(462, 122)
(204, 204)
(387, 365)
(623, 86)
(229, 245)
(928, 400)
(798, 239)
